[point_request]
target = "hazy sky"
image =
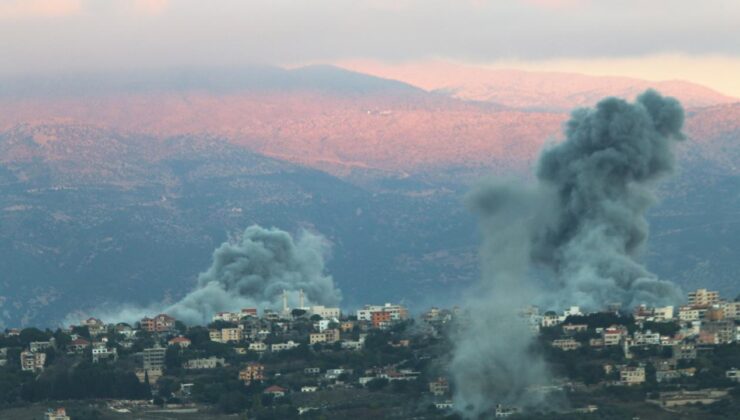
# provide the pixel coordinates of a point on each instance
(660, 38)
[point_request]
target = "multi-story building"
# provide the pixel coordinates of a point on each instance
(32, 361)
(159, 324)
(632, 375)
(153, 358)
(724, 330)
(101, 351)
(612, 336)
(566, 344)
(439, 387)
(258, 346)
(327, 336)
(397, 312)
(684, 351)
(226, 335)
(37, 346)
(703, 297)
(252, 372)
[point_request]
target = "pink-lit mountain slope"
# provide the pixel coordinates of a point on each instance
(528, 89)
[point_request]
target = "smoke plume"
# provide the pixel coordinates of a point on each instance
(249, 271)
(582, 224)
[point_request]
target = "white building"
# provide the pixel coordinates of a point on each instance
(205, 363)
(325, 312)
(284, 346)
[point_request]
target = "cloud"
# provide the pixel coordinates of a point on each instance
(24, 9)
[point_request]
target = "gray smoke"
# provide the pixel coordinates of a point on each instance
(254, 270)
(251, 270)
(583, 224)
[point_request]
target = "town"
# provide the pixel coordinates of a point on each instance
(378, 361)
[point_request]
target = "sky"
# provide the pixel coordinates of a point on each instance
(656, 39)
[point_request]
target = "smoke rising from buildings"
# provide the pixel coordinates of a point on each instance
(252, 270)
(582, 224)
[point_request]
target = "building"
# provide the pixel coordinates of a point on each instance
(284, 346)
(328, 336)
(703, 297)
(78, 345)
(678, 398)
(152, 375)
(226, 335)
(276, 391)
(159, 324)
(37, 346)
(632, 375)
(723, 331)
(566, 344)
(205, 363)
(690, 313)
(397, 312)
(101, 352)
(613, 335)
(32, 361)
(252, 372)
(646, 338)
(684, 351)
(183, 342)
(574, 328)
(439, 387)
(231, 317)
(309, 388)
(258, 346)
(664, 313)
(325, 312)
(94, 326)
(153, 358)
(380, 319)
(733, 374)
(58, 414)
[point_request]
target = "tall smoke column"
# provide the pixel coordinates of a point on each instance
(254, 270)
(583, 222)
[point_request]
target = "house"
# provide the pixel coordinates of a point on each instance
(283, 346)
(227, 317)
(646, 338)
(258, 346)
(205, 363)
(550, 319)
(78, 345)
(58, 414)
(101, 351)
(182, 342)
(733, 374)
(125, 330)
(312, 371)
(685, 351)
(632, 375)
(570, 329)
(37, 346)
(566, 344)
(678, 398)
(439, 387)
(159, 324)
(309, 388)
(94, 326)
(252, 372)
(152, 375)
(31, 361)
(275, 391)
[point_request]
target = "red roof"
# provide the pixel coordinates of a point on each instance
(180, 340)
(80, 342)
(275, 389)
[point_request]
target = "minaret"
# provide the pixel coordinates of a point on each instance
(285, 301)
(300, 296)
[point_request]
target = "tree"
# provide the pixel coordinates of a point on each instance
(232, 402)
(172, 357)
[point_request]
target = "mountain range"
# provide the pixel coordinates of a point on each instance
(116, 188)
